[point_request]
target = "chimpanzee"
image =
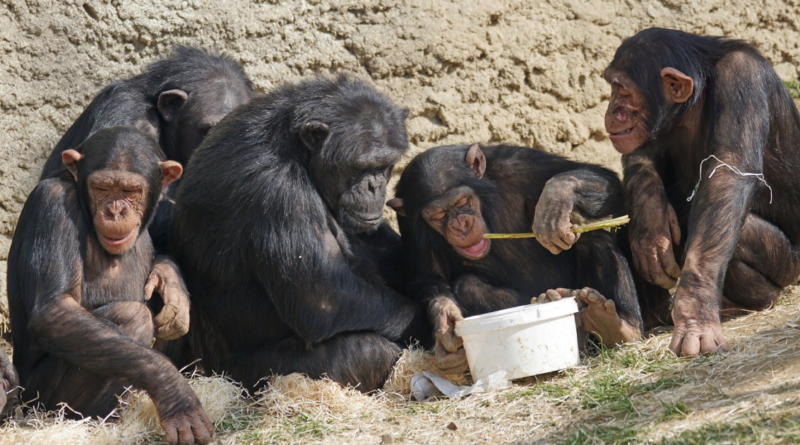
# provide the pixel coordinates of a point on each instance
(79, 271)
(176, 101)
(8, 384)
(682, 103)
(279, 230)
(449, 197)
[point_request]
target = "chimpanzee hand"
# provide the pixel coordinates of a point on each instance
(183, 418)
(8, 380)
(551, 219)
(697, 325)
(449, 353)
(653, 230)
(165, 278)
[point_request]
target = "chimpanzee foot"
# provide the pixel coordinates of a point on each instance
(598, 315)
(552, 295)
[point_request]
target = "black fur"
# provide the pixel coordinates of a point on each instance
(513, 271)
(272, 228)
(744, 247)
(80, 328)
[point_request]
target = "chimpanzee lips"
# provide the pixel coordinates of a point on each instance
(620, 133)
(116, 241)
(475, 251)
(373, 219)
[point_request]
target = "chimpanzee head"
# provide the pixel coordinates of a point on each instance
(120, 172)
(354, 136)
(655, 76)
(441, 191)
(194, 90)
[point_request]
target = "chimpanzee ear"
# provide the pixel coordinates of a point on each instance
(71, 158)
(678, 87)
(169, 102)
(397, 205)
(476, 160)
(313, 134)
(171, 171)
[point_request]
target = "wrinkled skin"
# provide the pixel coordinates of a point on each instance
(626, 116)
(457, 217)
(654, 228)
(552, 222)
(449, 351)
(173, 320)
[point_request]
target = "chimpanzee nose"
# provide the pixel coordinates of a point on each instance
(374, 183)
(117, 208)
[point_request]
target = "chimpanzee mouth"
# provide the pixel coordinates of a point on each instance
(116, 241)
(621, 133)
(367, 219)
(475, 251)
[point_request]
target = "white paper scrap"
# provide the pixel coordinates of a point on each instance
(428, 384)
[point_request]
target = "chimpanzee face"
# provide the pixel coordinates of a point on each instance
(117, 203)
(627, 115)
(456, 215)
(119, 178)
(352, 161)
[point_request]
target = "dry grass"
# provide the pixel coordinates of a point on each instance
(636, 394)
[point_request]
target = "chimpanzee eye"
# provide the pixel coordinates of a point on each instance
(437, 217)
(462, 202)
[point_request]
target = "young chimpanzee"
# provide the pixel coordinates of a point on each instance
(176, 101)
(681, 103)
(79, 271)
(449, 197)
(279, 229)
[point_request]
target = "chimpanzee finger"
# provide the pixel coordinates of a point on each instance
(185, 435)
(167, 314)
(150, 286)
(170, 433)
(202, 429)
(708, 343)
(675, 342)
(691, 345)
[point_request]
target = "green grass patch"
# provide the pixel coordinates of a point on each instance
(598, 434)
(762, 429)
(675, 410)
(794, 88)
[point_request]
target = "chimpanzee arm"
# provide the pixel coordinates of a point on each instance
(654, 225)
(722, 202)
(573, 196)
(302, 256)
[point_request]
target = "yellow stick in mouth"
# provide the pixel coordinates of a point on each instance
(605, 224)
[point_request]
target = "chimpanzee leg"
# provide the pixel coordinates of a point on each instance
(603, 267)
(611, 309)
(361, 360)
(55, 381)
(765, 261)
(476, 296)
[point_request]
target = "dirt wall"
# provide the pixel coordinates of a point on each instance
(490, 71)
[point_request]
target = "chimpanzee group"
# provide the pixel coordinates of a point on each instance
(272, 254)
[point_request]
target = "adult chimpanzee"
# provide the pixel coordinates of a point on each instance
(8, 384)
(176, 101)
(79, 271)
(278, 227)
(681, 103)
(449, 197)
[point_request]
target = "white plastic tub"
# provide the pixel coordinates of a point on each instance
(523, 341)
